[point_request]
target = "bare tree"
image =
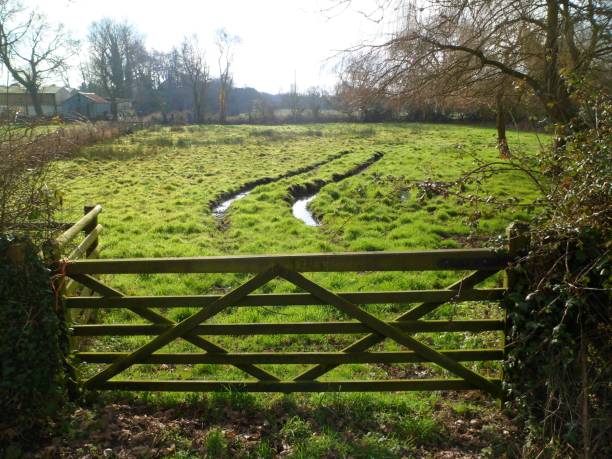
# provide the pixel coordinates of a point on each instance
(358, 94)
(114, 51)
(446, 46)
(32, 49)
(225, 44)
(315, 97)
(196, 73)
(295, 101)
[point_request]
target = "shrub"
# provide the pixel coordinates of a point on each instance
(557, 371)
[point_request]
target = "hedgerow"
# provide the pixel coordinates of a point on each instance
(558, 370)
(34, 376)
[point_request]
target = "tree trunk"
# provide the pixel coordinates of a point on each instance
(203, 104)
(222, 104)
(584, 414)
(33, 90)
(113, 102)
(199, 94)
(555, 95)
(196, 106)
(500, 124)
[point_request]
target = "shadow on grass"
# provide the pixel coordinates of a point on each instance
(228, 425)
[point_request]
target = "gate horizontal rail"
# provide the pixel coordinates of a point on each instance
(369, 329)
(292, 328)
(288, 299)
(292, 386)
(430, 260)
(291, 357)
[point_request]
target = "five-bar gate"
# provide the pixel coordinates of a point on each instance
(264, 268)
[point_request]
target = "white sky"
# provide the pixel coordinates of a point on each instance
(278, 37)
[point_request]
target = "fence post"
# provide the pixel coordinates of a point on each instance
(89, 228)
(519, 241)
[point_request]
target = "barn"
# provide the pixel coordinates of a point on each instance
(16, 99)
(87, 104)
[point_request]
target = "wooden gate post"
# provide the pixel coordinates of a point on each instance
(89, 228)
(52, 257)
(519, 241)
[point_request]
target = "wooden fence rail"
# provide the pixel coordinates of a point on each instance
(81, 269)
(86, 223)
(66, 247)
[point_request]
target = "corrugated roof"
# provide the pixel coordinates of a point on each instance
(94, 97)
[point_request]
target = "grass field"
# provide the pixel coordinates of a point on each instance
(156, 187)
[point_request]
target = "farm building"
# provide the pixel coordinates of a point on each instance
(15, 99)
(87, 104)
(125, 109)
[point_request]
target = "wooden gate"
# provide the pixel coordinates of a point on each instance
(264, 268)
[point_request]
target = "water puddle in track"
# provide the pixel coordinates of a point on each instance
(300, 211)
(301, 195)
(219, 210)
(304, 194)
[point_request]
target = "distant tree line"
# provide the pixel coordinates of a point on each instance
(185, 84)
(452, 61)
(182, 85)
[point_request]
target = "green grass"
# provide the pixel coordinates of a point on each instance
(156, 186)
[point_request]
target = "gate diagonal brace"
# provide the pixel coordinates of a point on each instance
(415, 313)
(391, 332)
(156, 318)
(184, 327)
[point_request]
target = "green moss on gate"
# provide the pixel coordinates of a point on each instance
(33, 343)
